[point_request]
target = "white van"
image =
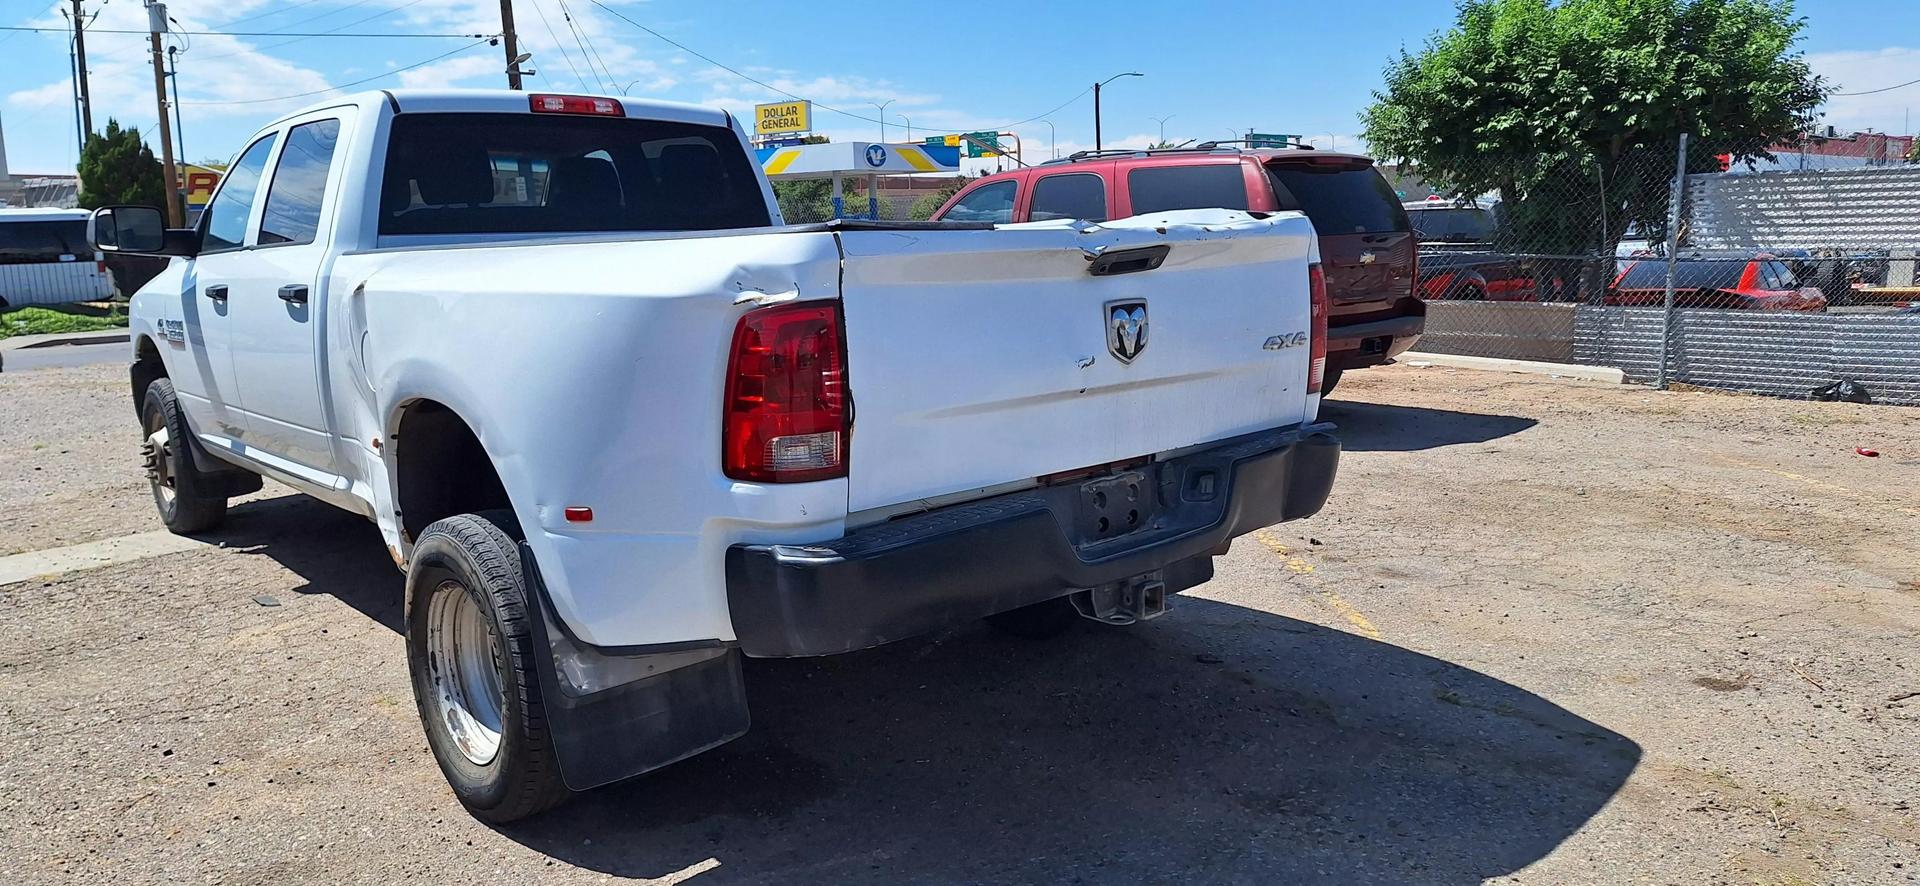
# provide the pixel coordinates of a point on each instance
(45, 259)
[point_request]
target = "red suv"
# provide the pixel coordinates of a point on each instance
(1366, 244)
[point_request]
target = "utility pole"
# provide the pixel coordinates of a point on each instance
(80, 68)
(512, 44)
(157, 25)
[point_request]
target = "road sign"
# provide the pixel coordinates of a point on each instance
(783, 117)
(1270, 139)
(982, 144)
(941, 141)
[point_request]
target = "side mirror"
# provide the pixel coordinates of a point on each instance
(136, 230)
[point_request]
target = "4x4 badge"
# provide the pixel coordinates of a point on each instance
(1126, 329)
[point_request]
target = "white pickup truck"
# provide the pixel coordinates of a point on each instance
(620, 425)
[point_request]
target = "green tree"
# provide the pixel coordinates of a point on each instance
(1572, 109)
(117, 167)
(924, 208)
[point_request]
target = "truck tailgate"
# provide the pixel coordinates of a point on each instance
(979, 358)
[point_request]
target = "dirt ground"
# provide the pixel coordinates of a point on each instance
(1545, 632)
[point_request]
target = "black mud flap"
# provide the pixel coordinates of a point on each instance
(616, 716)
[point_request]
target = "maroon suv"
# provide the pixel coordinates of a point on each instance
(1366, 244)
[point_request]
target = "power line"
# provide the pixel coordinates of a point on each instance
(276, 11)
(328, 32)
(582, 43)
(565, 11)
(564, 54)
(763, 84)
(338, 87)
(1881, 89)
(247, 33)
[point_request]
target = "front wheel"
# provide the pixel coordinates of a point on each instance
(471, 652)
(188, 499)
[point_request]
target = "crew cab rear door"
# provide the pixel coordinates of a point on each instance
(984, 357)
(275, 302)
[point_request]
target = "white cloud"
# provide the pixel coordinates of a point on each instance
(1862, 70)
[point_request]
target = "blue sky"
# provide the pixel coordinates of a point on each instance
(1300, 67)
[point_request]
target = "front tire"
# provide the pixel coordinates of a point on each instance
(471, 652)
(188, 500)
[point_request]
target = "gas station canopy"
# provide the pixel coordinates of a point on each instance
(855, 159)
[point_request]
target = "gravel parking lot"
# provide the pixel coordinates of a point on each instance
(1545, 632)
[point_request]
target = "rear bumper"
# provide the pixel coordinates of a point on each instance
(1372, 343)
(947, 567)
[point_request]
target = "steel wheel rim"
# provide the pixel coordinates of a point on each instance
(462, 664)
(159, 467)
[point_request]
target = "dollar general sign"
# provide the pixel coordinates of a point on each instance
(782, 117)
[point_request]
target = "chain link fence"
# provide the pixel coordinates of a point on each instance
(1781, 283)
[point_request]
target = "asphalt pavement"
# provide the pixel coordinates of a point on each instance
(63, 356)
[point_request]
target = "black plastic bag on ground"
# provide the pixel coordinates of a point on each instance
(1845, 390)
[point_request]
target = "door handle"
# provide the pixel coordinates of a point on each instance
(217, 292)
(294, 293)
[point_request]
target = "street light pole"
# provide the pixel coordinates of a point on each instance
(1053, 148)
(1163, 125)
(1096, 103)
(883, 117)
(909, 127)
(173, 74)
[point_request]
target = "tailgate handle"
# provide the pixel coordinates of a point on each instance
(1127, 261)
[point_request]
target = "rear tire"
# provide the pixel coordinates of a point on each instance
(1040, 621)
(471, 652)
(188, 499)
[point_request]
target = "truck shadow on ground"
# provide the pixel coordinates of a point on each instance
(1378, 427)
(1219, 744)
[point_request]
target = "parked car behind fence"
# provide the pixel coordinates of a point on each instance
(45, 259)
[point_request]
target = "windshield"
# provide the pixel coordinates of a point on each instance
(533, 173)
(39, 241)
(1454, 225)
(1343, 199)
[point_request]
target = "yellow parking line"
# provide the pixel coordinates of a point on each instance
(1361, 624)
(1817, 484)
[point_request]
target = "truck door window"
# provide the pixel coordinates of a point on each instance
(299, 184)
(987, 203)
(526, 173)
(1210, 186)
(226, 217)
(1080, 195)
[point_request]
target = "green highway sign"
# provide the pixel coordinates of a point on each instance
(1270, 139)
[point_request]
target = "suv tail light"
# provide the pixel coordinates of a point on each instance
(1317, 328)
(787, 419)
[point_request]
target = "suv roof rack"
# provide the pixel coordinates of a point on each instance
(1206, 148)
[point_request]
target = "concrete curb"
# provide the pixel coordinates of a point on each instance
(1606, 374)
(59, 339)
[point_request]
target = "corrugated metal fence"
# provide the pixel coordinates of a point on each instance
(1868, 208)
(1781, 355)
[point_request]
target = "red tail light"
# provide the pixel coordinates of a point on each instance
(786, 406)
(541, 103)
(1317, 328)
